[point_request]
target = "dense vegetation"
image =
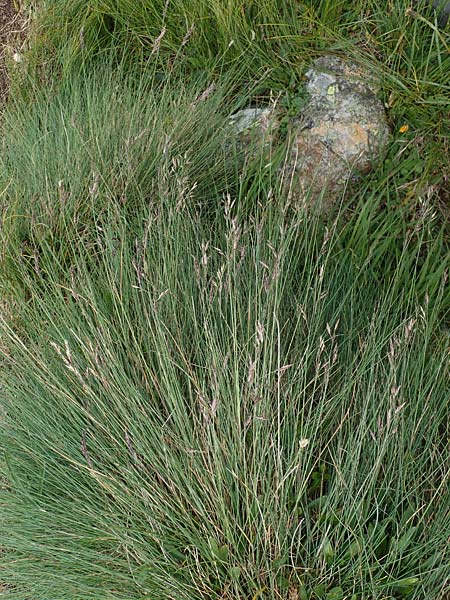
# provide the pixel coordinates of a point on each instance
(207, 391)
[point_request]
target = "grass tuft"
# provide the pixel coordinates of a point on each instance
(208, 392)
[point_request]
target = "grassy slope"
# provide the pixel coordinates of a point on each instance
(208, 394)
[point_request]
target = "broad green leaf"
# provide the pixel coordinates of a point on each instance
(336, 593)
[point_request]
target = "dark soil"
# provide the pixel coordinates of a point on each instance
(8, 27)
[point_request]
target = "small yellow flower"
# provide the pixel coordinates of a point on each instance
(404, 128)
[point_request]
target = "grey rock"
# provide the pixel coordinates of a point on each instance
(249, 118)
(339, 135)
(253, 130)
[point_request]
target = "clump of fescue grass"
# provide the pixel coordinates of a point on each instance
(208, 393)
(216, 414)
(106, 140)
